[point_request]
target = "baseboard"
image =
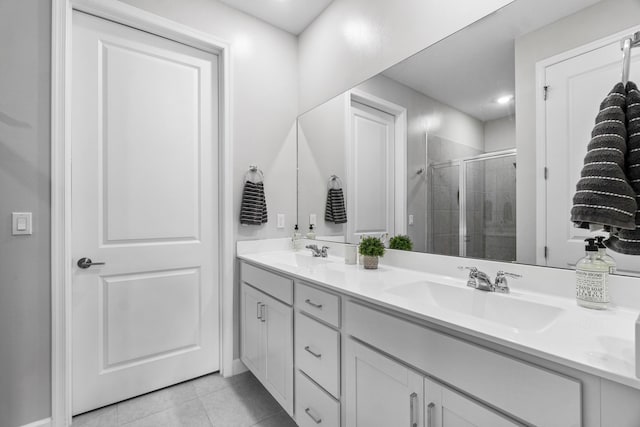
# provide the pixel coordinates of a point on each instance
(238, 367)
(42, 423)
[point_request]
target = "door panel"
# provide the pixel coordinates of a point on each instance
(251, 335)
(144, 202)
(577, 86)
(371, 201)
(279, 352)
(381, 392)
(447, 408)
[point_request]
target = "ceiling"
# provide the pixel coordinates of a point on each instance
(474, 66)
(290, 15)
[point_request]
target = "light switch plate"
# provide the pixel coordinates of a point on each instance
(410, 219)
(280, 221)
(21, 223)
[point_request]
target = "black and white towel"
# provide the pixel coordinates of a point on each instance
(335, 211)
(628, 241)
(253, 210)
(603, 195)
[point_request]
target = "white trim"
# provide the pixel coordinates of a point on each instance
(61, 181)
(400, 155)
(541, 125)
(41, 423)
(238, 366)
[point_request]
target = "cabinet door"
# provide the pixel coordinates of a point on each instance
(381, 392)
(447, 408)
(251, 335)
(278, 338)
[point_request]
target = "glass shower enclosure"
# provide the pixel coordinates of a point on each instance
(472, 207)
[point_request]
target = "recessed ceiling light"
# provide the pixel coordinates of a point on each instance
(504, 99)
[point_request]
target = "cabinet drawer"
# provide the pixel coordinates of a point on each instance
(313, 406)
(270, 283)
(318, 303)
(317, 350)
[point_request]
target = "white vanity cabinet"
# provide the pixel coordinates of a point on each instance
(266, 323)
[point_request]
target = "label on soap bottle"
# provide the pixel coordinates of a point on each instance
(592, 286)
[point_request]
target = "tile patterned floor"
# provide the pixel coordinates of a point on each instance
(209, 401)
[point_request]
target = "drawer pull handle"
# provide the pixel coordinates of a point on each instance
(412, 410)
(316, 420)
(262, 317)
(313, 304)
(308, 349)
(430, 407)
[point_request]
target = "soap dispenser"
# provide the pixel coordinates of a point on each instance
(602, 252)
(311, 234)
(296, 238)
(592, 279)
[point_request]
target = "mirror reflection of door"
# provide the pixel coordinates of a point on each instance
(370, 203)
(577, 82)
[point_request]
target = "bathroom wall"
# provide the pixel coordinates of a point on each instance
(500, 134)
(321, 135)
(356, 39)
(600, 20)
(25, 339)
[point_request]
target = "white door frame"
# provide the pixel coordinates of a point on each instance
(541, 125)
(61, 262)
(400, 150)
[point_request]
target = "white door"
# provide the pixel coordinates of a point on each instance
(576, 87)
(370, 173)
(144, 202)
(447, 408)
(381, 392)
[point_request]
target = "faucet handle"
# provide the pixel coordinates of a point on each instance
(324, 251)
(472, 270)
(501, 284)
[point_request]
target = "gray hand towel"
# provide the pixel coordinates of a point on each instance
(603, 194)
(335, 211)
(253, 210)
(628, 241)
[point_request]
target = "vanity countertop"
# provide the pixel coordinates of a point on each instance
(554, 328)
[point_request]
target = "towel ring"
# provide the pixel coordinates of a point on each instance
(252, 172)
(335, 182)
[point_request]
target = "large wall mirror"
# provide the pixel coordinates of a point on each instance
(473, 146)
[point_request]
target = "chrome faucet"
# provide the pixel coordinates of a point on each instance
(481, 280)
(314, 250)
(318, 252)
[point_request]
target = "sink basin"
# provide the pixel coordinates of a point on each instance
(296, 259)
(498, 308)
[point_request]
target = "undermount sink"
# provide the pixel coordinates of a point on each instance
(297, 259)
(501, 309)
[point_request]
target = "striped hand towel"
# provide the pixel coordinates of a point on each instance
(253, 210)
(603, 194)
(335, 211)
(628, 241)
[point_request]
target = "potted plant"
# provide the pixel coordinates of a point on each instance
(401, 243)
(371, 248)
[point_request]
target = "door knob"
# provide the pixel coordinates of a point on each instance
(86, 263)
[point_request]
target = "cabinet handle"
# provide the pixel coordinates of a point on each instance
(412, 410)
(316, 420)
(262, 316)
(258, 310)
(313, 304)
(430, 407)
(308, 349)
